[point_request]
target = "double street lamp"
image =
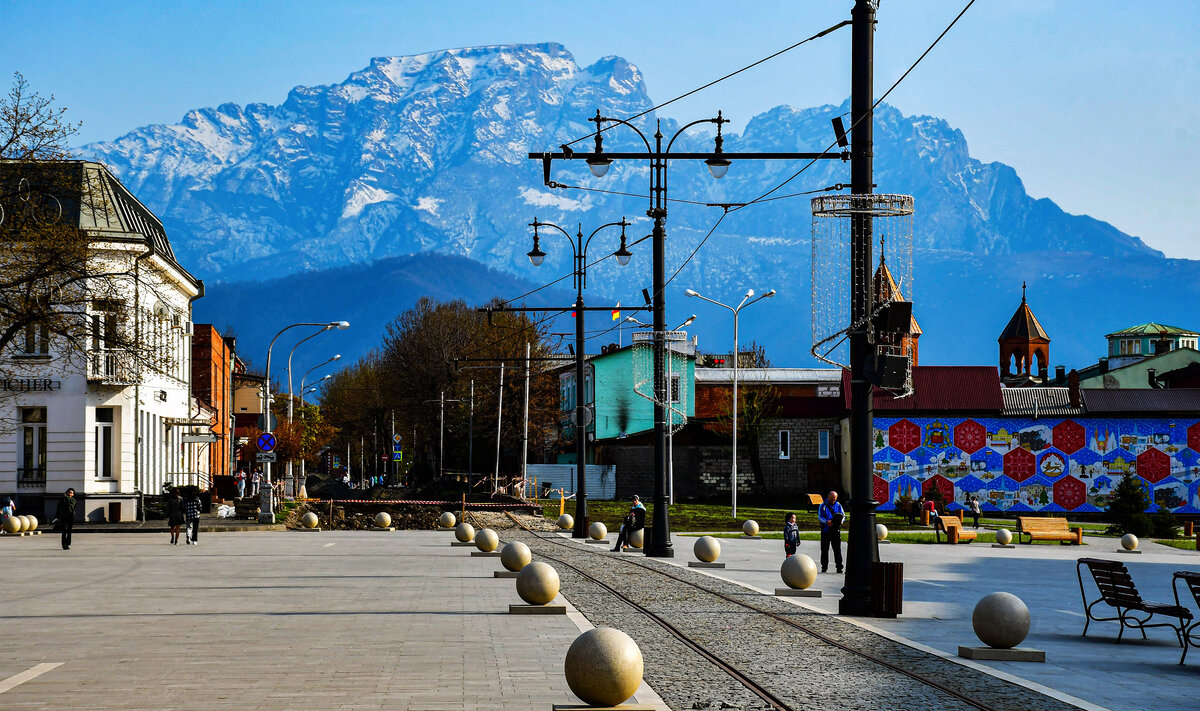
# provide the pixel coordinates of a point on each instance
(266, 512)
(746, 301)
(579, 247)
(718, 163)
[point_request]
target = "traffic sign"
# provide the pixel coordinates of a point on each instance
(266, 442)
(397, 439)
(384, 456)
(268, 422)
(264, 457)
(581, 413)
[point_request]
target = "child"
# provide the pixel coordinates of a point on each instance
(791, 536)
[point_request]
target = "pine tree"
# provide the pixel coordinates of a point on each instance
(1127, 508)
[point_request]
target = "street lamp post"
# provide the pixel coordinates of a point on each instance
(303, 392)
(671, 424)
(718, 163)
(266, 512)
(290, 490)
(746, 301)
(579, 251)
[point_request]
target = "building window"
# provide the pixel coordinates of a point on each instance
(785, 444)
(33, 444)
(823, 444)
(674, 388)
(104, 442)
(35, 340)
(105, 324)
(1131, 346)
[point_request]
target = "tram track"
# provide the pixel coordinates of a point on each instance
(742, 678)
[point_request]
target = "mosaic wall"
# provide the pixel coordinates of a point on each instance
(1046, 465)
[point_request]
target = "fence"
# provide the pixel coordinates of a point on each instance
(601, 479)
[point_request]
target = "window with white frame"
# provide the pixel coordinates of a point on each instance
(822, 444)
(33, 444)
(785, 444)
(104, 442)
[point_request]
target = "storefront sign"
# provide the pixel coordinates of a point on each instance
(23, 385)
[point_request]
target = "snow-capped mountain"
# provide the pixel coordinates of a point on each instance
(428, 153)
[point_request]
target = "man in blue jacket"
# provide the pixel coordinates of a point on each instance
(831, 516)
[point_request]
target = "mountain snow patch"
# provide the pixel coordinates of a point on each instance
(537, 198)
(363, 195)
(429, 205)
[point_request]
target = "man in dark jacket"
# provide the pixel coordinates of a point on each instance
(831, 515)
(65, 517)
(191, 509)
(635, 520)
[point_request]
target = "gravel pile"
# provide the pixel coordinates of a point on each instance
(793, 665)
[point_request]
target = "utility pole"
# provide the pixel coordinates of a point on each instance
(471, 436)
(862, 549)
(499, 421)
(525, 429)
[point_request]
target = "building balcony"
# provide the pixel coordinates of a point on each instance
(31, 478)
(110, 368)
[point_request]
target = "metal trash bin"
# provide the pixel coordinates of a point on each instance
(887, 589)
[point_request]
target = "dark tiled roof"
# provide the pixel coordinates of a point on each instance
(1039, 402)
(943, 388)
(1023, 325)
(1152, 329)
(1132, 402)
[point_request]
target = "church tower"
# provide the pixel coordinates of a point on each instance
(1023, 340)
(886, 289)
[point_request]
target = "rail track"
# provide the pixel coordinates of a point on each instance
(742, 678)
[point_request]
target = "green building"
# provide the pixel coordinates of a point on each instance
(1130, 345)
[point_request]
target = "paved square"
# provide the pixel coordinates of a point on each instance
(345, 620)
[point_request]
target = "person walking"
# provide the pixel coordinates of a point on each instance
(831, 516)
(635, 520)
(791, 536)
(64, 517)
(240, 478)
(175, 515)
(191, 510)
(975, 511)
(254, 479)
(6, 509)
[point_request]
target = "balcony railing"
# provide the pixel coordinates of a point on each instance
(110, 367)
(31, 478)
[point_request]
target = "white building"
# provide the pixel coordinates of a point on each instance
(107, 423)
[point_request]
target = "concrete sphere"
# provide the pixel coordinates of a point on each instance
(1129, 542)
(464, 532)
(799, 572)
(24, 522)
(707, 549)
(637, 538)
(447, 520)
(383, 519)
(309, 520)
(598, 531)
(1000, 620)
(12, 525)
(486, 540)
(537, 583)
(1003, 536)
(881, 531)
(750, 527)
(566, 522)
(33, 523)
(604, 667)
(515, 556)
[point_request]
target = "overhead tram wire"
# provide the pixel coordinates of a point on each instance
(684, 95)
(869, 114)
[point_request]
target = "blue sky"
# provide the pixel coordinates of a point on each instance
(1093, 103)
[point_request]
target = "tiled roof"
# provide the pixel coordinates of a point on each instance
(1023, 325)
(1130, 401)
(1152, 329)
(942, 388)
(1038, 402)
(774, 376)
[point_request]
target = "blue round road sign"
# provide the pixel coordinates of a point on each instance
(266, 442)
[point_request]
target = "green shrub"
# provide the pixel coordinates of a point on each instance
(1127, 508)
(1164, 524)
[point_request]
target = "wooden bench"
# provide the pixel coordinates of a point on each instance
(1118, 591)
(953, 526)
(1190, 633)
(1038, 528)
(815, 499)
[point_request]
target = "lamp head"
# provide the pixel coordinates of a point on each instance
(536, 255)
(718, 167)
(769, 294)
(749, 293)
(691, 319)
(340, 325)
(327, 377)
(337, 356)
(690, 292)
(599, 165)
(623, 254)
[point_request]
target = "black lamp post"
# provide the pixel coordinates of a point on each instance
(579, 248)
(718, 163)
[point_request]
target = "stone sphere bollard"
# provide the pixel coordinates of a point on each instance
(537, 583)
(1003, 536)
(12, 525)
(881, 531)
(799, 572)
(33, 523)
(464, 532)
(707, 549)
(486, 540)
(309, 520)
(598, 531)
(1129, 542)
(383, 519)
(637, 538)
(447, 520)
(750, 527)
(1001, 620)
(604, 667)
(515, 556)
(566, 522)
(24, 522)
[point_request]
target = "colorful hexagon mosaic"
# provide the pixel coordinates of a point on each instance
(1193, 437)
(1070, 493)
(1068, 436)
(970, 436)
(1020, 464)
(880, 489)
(1153, 465)
(904, 436)
(944, 485)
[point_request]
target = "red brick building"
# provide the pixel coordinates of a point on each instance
(212, 385)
